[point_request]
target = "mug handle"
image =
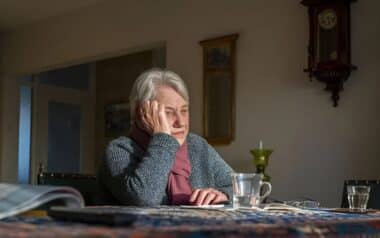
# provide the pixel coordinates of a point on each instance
(266, 194)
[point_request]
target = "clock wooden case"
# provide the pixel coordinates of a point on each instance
(329, 58)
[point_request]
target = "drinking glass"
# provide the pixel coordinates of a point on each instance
(358, 197)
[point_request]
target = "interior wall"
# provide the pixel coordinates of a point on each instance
(1, 101)
(316, 146)
(1, 115)
(114, 79)
(9, 117)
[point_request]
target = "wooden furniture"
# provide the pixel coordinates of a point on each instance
(86, 184)
(172, 221)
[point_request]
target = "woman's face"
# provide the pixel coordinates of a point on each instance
(177, 112)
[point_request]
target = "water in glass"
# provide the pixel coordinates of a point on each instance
(242, 201)
(358, 201)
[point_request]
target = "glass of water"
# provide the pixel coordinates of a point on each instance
(246, 189)
(358, 197)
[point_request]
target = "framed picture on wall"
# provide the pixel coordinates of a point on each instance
(218, 57)
(219, 89)
(117, 120)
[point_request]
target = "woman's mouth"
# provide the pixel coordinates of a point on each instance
(178, 134)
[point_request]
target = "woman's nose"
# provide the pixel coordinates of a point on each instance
(179, 120)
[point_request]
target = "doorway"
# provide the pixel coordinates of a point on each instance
(63, 118)
(68, 110)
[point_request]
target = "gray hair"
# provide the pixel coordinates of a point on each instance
(146, 85)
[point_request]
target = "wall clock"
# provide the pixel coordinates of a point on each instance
(329, 58)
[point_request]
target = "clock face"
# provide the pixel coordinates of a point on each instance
(327, 36)
(327, 19)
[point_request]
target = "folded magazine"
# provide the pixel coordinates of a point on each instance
(19, 198)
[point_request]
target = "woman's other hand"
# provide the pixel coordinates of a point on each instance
(207, 196)
(153, 117)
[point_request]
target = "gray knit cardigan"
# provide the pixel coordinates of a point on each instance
(129, 175)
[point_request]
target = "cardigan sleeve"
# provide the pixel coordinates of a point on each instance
(222, 172)
(139, 181)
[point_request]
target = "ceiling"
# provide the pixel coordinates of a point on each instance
(16, 13)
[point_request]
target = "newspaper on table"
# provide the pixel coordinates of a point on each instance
(19, 198)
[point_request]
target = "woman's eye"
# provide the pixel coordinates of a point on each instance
(169, 113)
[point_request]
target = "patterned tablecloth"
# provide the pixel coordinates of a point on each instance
(185, 222)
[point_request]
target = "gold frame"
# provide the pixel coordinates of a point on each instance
(219, 62)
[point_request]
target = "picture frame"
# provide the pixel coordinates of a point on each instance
(219, 63)
(117, 119)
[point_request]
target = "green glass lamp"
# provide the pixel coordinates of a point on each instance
(261, 159)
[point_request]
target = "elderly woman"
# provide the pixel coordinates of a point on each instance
(160, 162)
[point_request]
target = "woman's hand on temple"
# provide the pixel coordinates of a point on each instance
(153, 117)
(207, 196)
